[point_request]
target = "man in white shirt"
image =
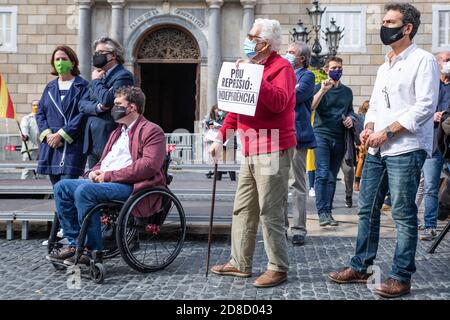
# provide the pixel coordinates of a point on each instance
(132, 160)
(399, 132)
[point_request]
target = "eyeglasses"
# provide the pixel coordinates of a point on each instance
(102, 52)
(386, 97)
(251, 37)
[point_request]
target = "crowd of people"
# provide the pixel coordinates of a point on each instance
(394, 128)
(101, 122)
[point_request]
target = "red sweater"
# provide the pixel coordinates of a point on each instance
(274, 110)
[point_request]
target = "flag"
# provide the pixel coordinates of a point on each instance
(6, 104)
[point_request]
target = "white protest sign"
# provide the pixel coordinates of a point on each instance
(211, 134)
(238, 88)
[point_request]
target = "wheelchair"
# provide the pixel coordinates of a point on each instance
(147, 230)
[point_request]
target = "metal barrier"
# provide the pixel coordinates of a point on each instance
(6, 142)
(190, 148)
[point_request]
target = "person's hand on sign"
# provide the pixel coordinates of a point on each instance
(238, 61)
(216, 151)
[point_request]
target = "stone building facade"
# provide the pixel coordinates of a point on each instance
(175, 48)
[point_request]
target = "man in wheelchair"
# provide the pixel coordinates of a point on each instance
(132, 160)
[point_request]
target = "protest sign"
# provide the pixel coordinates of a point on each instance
(238, 88)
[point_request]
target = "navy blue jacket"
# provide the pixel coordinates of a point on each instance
(100, 125)
(304, 94)
(65, 118)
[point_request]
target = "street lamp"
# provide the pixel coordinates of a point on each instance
(301, 33)
(332, 35)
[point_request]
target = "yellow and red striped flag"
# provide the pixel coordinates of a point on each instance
(6, 104)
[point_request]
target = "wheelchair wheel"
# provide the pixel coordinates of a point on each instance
(97, 273)
(109, 212)
(157, 222)
(108, 216)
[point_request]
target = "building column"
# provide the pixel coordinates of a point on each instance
(84, 38)
(117, 19)
(249, 15)
(214, 49)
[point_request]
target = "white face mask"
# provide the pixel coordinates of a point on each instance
(446, 68)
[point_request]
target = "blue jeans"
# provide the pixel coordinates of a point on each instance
(74, 199)
(329, 154)
(401, 174)
(55, 178)
(311, 178)
(432, 169)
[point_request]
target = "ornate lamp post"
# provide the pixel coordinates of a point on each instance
(332, 35)
(301, 33)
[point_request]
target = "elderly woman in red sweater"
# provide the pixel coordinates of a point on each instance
(268, 142)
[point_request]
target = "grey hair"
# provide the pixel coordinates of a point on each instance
(303, 51)
(270, 31)
(112, 46)
(410, 15)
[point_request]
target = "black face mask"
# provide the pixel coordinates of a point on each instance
(100, 60)
(391, 35)
(118, 112)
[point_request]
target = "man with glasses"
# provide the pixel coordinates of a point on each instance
(399, 132)
(268, 142)
(108, 75)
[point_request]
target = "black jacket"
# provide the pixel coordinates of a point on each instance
(352, 139)
(100, 125)
(443, 136)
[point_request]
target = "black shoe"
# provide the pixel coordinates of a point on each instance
(332, 221)
(209, 175)
(298, 240)
(219, 175)
(348, 201)
(232, 175)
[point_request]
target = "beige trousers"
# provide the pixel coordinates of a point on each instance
(261, 195)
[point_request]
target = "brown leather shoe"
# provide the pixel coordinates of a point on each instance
(61, 255)
(348, 275)
(392, 288)
(228, 270)
(270, 279)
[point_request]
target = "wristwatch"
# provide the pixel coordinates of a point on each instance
(389, 133)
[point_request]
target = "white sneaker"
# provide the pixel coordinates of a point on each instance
(60, 233)
(63, 241)
(312, 192)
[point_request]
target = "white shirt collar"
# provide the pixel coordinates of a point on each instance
(127, 129)
(402, 55)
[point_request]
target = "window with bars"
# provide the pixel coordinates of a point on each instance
(441, 28)
(353, 20)
(8, 29)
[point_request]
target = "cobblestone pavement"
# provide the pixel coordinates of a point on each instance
(25, 274)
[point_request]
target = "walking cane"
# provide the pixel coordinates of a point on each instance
(211, 218)
(26, 148)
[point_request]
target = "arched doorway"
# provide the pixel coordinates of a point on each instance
(167, 69)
